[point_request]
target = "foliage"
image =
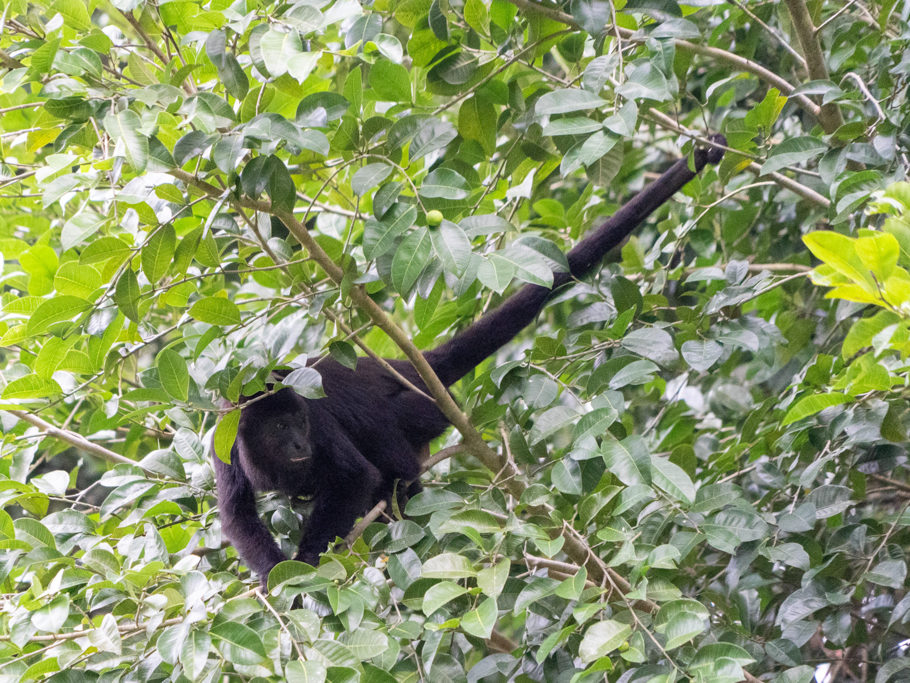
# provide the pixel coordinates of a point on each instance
(699, 467)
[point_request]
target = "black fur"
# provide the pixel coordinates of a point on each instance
(347, 450)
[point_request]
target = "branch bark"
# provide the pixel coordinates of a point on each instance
(76, 440)
(829, 115)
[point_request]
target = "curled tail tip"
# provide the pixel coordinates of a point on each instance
(716, 151)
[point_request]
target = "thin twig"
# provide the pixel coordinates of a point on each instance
(281, 624)
(27, 105)
(441, 455)
(783, 42)
(901, 486)
(365, 521)
(75, 439)
(125, 631)
(730, 58)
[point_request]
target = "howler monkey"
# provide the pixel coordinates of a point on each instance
(347, 449)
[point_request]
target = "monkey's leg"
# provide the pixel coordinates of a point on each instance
(347, 486)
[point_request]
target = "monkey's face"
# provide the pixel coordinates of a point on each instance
(285, 438)
(276, 446)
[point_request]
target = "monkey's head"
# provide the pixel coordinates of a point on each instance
(275, 444)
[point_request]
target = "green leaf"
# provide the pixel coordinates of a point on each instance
(216, 310)
(879, 252)
(380, 236)
(157, 255)
(475, 14)
(653, 343)
(403, 534)
(672, 479)
(839, 252)
(105, 249)
(365, 643)
(229, 71)
(225, 435)
(602, 638)
(572, 125)
(344, 353)
(194, 653)
(390, 81)
(727, 529)
(810, 405)
(411, 257)
(53, 311)
(239, 643)
(528, 265)
(701, 355)
(79, 228)
(125, 128)
(441, 594)
(51, 617)
(369, 177)
(477, 119)
(567, 100)
(793, 151)
(281, 188)
(627, 460)
(305, 381)
(496, 273)
(448, 566)
(475, 521)
(491, 580)
(480, 622)
(299, 671)
(889, 573)
(106, 637)
(792, 554)
(126, 295)
(682, 628)
(444, 183)
(277, 48)
(74, 13)
(173, 373)
(635, 373)
(77, 279)
(452, 247)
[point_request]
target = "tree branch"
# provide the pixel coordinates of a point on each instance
(829, 115)
(364, 522)
(188, 85)
(717, 53)
(794, 186)
(76, 440)
(575, 547)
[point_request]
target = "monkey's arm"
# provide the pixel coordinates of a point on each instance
(348, 487)
(239, 520)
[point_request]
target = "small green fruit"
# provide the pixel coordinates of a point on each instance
(434, 218)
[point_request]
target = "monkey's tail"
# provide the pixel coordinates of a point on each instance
(454, 359)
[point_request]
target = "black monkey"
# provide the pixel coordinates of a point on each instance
(347, 449)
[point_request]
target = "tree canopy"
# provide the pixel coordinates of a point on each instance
(692, 467)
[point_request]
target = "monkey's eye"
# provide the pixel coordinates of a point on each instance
(281, 426)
